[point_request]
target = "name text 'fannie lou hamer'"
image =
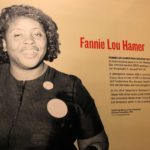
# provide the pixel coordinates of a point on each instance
(111, 45)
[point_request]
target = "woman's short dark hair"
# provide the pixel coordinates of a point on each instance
(50, 27)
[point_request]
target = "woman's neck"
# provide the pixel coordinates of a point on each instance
(28, 74)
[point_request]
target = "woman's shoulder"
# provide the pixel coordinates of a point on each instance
(63, 77)
(4, 68)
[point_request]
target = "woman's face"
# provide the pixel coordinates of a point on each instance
(26, 43)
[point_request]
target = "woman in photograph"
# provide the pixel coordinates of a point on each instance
(41, 108)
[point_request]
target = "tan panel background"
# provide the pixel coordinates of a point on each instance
(93, 19)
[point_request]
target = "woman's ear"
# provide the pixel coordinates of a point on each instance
(4, 45)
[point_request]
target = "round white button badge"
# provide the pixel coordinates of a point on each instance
(57, 108)
(48, 85)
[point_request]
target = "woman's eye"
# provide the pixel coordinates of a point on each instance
(17, 35)
(37, 34)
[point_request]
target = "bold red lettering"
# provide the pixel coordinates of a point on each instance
(108, 44)
(81, 42)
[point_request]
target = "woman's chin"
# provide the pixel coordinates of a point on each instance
(30, 65)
